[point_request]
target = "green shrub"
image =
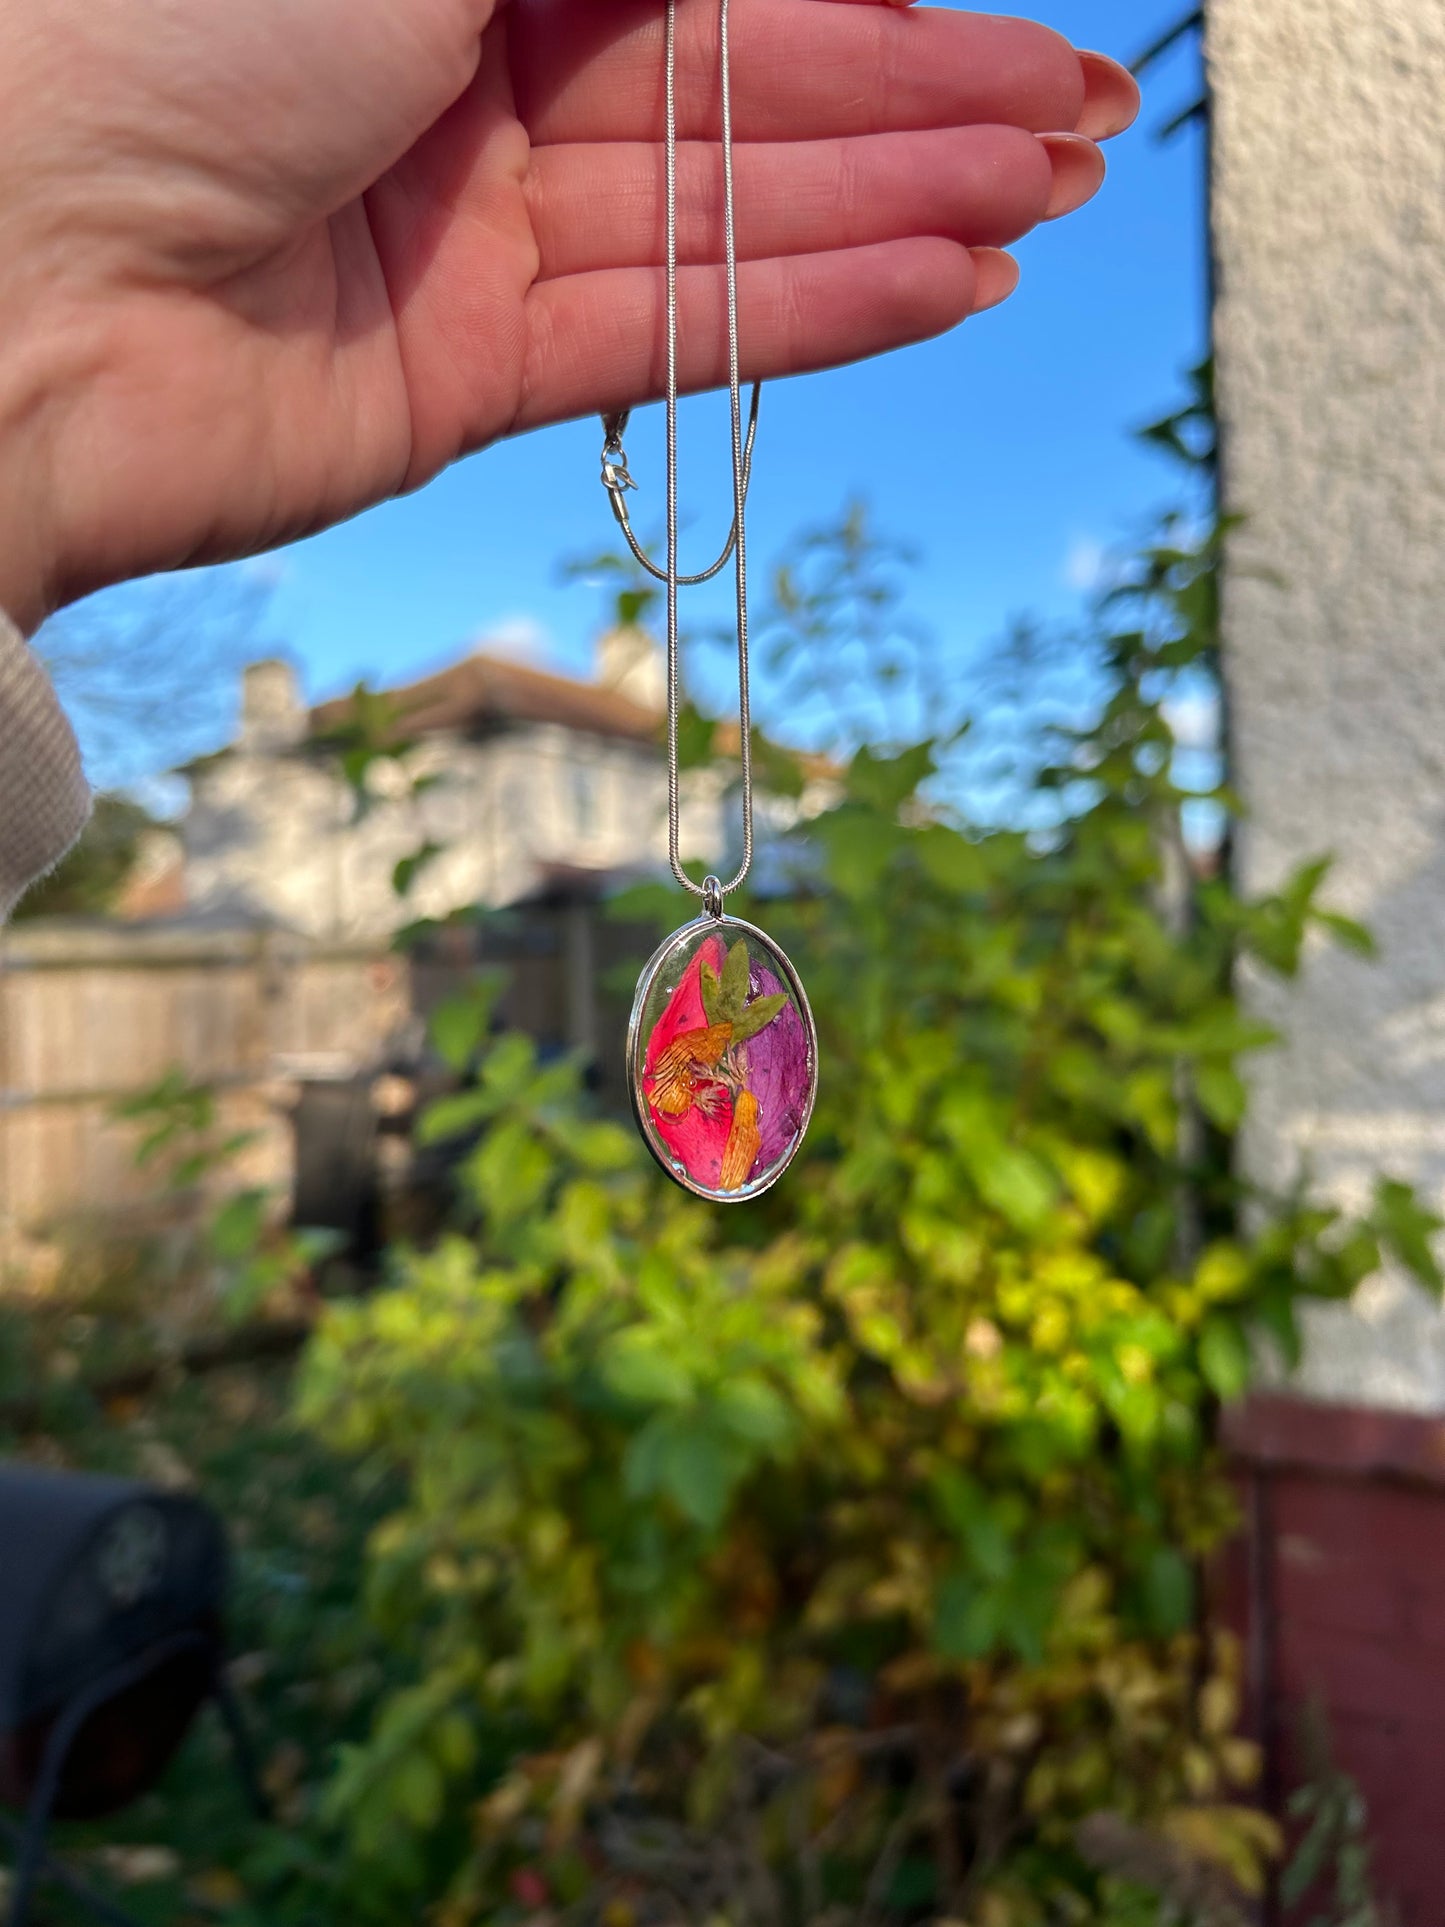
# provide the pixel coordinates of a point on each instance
(839, 1557)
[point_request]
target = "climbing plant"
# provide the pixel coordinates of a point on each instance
(839, 1557)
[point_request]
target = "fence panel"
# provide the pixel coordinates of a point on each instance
(90, 1015)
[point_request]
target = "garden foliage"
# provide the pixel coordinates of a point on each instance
(840, 1556)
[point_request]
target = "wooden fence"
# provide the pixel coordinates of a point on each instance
(90, 1015)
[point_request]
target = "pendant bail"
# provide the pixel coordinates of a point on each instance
(712, 898)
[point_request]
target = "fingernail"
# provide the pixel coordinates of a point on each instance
(997, 277)
(1111, 97)
(1078, 172)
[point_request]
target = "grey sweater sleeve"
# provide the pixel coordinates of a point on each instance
(44, 797)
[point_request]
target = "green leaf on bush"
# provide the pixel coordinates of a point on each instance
(685, 1456)
(460, 1026)
(239, 1226)
(510, 1169)
(1349, 934)
(1222, 1095)
(860, 848)
(410, 868)
(1168, 1592)
(1409, 1231)
(750, 1408)
(950, 860)
(966, 1617)
(883, 783)
(1224, 1357)
(1015, 1183)
(635, 1367)
(455, 1116)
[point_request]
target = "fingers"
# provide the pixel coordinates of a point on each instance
(1111, 98)
(1077, 173)
(604, 205)
(802, 70)
(597, 342)
(996, 275)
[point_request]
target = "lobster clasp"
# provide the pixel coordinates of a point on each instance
(614, 471)
(615, 475)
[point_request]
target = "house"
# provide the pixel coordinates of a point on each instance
(517, 778)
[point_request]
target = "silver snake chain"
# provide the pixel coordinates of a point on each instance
(617, 480)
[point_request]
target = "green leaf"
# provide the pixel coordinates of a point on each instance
(1408, 1230)
(950, 860)
(698, 1470)
(1222, 1093)
(751, 1408)
(1015, 1183)
(1349, 934)
(696, 738)
(861, 847)
(732, 994)
(758, 1015)
(1168, 1592)
(239, 1226)
(1275, 1315)
(884, 783)
(965, 1617)
(455, 1116)
(419, 1790)
(460, 1026)
(510, 1171)
(687, 1458)
(406, 872)
(635, 1368)
(1224, 1357)
(779, 772)
(711, 992)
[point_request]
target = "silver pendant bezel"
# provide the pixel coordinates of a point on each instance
(680, 938)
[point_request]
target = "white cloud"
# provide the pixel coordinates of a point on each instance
(520, 638)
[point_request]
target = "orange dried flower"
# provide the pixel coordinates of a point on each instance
(675, 1075)
(745, 1140)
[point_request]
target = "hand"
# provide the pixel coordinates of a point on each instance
(269, 263)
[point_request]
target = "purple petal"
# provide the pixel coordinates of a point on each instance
(778, 1073)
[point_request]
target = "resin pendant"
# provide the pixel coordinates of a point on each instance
(722, 1059)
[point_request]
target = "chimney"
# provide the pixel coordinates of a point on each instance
(631, 662)
(273, 716)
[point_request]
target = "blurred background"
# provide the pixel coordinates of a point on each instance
(1027, 1514)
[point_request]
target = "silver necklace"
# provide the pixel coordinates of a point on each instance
(722, 1051)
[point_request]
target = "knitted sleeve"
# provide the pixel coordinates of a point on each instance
(44, 798)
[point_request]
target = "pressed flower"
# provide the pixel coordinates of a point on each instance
(777, 1072)
(697, 1134)
(743, 1143)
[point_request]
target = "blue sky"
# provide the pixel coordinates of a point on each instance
(1000, 453)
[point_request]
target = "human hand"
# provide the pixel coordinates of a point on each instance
(267, 264)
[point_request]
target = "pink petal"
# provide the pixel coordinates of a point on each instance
(684, 1008)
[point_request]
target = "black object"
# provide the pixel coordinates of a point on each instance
(110, 1640)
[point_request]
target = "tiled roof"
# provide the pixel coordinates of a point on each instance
(489, 690)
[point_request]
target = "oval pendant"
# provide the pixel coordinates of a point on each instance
(722, 1059)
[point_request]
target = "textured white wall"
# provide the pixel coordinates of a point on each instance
(1330, 219)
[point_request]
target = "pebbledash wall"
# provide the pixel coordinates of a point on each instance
(1329, 206)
